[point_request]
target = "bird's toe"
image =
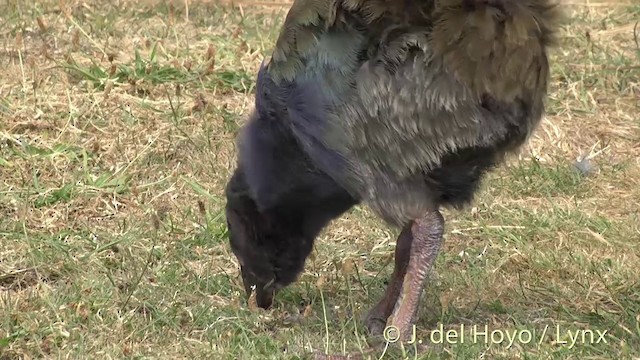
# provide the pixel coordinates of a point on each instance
(375, 323)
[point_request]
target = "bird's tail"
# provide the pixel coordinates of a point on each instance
(496, 46)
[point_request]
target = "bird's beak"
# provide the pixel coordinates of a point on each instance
(265, 292)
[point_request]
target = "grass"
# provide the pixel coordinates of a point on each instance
(116, 139)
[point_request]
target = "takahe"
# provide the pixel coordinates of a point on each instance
(402, 105)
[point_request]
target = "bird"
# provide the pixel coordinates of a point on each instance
(403, 106)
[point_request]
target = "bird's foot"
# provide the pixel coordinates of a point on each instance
(400, 327)
(376, 318)
(389, 329)
(375, 322)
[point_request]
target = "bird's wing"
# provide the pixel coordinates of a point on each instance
(475, 77)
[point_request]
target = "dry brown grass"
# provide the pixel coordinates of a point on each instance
(113, 243)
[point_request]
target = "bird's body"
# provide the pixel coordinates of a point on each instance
(402, 105)
(408, 116)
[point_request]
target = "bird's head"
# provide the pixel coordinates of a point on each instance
(269, 245)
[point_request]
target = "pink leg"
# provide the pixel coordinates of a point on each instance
(377, 316)
(427, 238)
